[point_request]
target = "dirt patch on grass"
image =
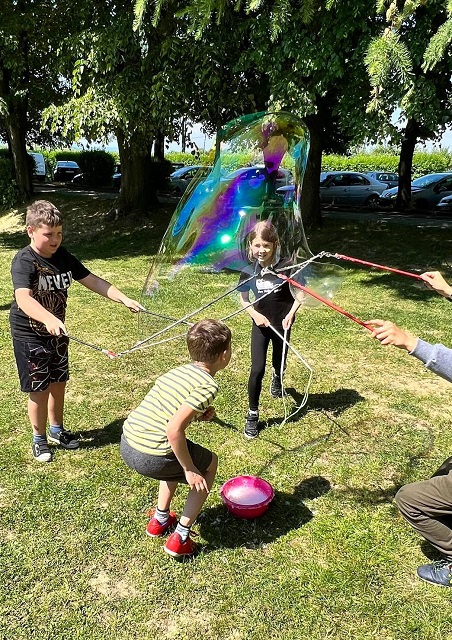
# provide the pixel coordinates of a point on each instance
(111, 588)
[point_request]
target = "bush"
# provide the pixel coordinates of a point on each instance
(98, 166)
(189, 159)
(160, 173)
(8, 188)
(423, 162)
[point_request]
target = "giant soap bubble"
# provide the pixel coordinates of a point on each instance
(205, 245)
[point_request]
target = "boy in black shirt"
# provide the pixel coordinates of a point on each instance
(42, 273)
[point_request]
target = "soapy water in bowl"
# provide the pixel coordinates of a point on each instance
(246, 495)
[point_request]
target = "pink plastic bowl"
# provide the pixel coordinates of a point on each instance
(247, 496)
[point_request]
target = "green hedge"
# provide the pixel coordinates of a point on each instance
(423, 162)
(381, 160)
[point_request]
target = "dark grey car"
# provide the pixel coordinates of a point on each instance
(426, 191)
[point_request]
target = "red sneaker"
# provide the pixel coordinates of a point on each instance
(178, 549)
(155, 529)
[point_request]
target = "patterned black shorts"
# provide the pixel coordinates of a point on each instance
(41, 361)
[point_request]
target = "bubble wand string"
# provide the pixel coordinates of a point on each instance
(111, 354)
(188, 315)
(328, 303)
(159, 315)
(141, 343)
(304, 400)
(339, 256)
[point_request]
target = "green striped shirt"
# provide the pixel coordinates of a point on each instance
(145, 427)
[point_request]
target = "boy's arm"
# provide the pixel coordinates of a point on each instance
(35, 310)
(107, 290)
(175, 431)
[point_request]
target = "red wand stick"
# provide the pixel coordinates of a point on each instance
(325, 301)
(378, 266)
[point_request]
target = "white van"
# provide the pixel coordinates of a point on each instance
(39, 169)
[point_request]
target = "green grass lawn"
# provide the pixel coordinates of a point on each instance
(330, 559)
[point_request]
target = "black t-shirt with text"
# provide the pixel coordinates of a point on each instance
(277, 304)
(49, 280)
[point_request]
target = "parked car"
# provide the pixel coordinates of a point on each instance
(343, 188)
(426, 191)
(65, 170)
(350, 188)
(445, 204)
(116, 178)
(83, 179)
(181, 178)
(39, 166)
(283, 177)
(389, 179)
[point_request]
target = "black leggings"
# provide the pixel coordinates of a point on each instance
(260, 339)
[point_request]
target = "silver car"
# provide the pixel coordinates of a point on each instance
(350, 188)
(389, 179)
(426, 191)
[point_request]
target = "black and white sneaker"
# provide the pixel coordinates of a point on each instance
(41, 452)
(251, 430)
(65, 439)
(276, 390)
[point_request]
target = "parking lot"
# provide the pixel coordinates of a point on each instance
(412, 218)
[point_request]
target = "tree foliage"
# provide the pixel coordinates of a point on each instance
(30, 33)
(410, 65)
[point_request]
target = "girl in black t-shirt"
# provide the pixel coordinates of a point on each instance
(277, 309)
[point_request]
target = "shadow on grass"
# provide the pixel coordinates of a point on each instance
(90, 234)
(328, 403)
(379, 495)
(430, 552)
(286, 513)
(96, 438)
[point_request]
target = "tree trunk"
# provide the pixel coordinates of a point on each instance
(16, 132)
(310, 193)
(159, 147)
(15, 123)
(406, 164)
(138, 195)
(184, 135)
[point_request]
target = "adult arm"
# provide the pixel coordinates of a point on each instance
(107, 290)
(437, 358)
(435, 281)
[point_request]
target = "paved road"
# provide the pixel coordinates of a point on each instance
(416, 219)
